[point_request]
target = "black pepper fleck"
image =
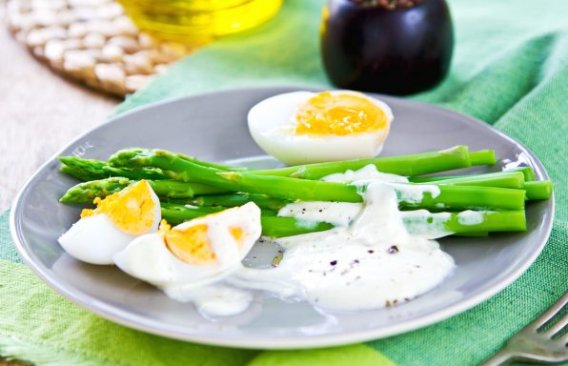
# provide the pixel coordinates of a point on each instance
(393, 249)
(333, 263)
(370, 251)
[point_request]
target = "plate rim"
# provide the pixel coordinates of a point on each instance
(141, 323)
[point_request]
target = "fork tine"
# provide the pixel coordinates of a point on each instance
(557, 327)
(553, 310)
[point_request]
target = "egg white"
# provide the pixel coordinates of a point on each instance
(272, 123)
(96, 239)
(147, 257)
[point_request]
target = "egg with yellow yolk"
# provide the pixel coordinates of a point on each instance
(196, 252)
(304, 127)
(113, 224)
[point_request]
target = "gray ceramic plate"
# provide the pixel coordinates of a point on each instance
(213, 127)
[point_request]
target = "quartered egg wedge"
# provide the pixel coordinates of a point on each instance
(195, 252)
(113, 224)
(304, 127)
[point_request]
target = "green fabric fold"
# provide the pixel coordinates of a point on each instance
(510, 69)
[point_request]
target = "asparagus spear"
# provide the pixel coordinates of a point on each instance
(424, 222)
(177, 213)
(175, 166)
(238, 199)
(90, 169)
(134, 152)
(482, 157)
(499, 179)
(272, 226)
(450, 197)
(538, 190)
(417, 222)
(87, 191)
(535, 190)
(526, 170)
(408, 165)
(167, 189)
(454, 197)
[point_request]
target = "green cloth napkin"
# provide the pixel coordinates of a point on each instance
(510, 69)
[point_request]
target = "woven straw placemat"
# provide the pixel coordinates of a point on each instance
(91, 41)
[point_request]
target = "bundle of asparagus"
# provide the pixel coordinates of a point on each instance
(189, 188)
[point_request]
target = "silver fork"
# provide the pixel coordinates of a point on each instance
(532, 344)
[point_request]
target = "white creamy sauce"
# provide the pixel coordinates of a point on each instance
(336, 213)
(411, 193)
(368, 173)
(212, 300)
(372, 263)
(426, 224)
(414, 193)
(470, 217)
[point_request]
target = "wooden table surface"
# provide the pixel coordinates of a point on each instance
(39, 113)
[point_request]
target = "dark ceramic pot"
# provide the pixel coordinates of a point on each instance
(404, 50)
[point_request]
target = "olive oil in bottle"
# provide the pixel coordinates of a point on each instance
(196, 21)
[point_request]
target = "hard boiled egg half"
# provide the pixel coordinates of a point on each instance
(109, 228)
(303, 127)
(195, 252)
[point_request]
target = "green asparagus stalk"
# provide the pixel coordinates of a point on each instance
(90, 169)
(526, 170)
(424, 222)
(86, 192)
(452, 197)
(417, 222)
(238, 199)
(535, 190)
(499, 179)
(176, 214)
(538, 190)
(277, 227)
(175, 166)
(482, 157)
(408, 165)
(272, 226)
(134, 152)
(449, 197)
(468, 197)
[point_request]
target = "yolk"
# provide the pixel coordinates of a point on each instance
(192, 245)
(238, 233)
(339, 114)
(132, 209)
